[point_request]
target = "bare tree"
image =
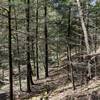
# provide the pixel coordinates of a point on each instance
(83, 27)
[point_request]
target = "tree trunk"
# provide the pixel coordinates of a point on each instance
(46, 39)
(28, 47)
(83, 27)
(71, 65)
(85, 31)
(33, 57)
(69, 48)
(18, 53)
(10, 53)
(37, 65)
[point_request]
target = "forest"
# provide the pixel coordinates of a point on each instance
(49, 49)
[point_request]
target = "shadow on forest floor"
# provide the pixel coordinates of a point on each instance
(56, 79)
(56, 87)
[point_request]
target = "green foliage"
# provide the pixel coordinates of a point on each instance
(65, 1)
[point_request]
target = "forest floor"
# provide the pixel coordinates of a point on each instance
(56, 87)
